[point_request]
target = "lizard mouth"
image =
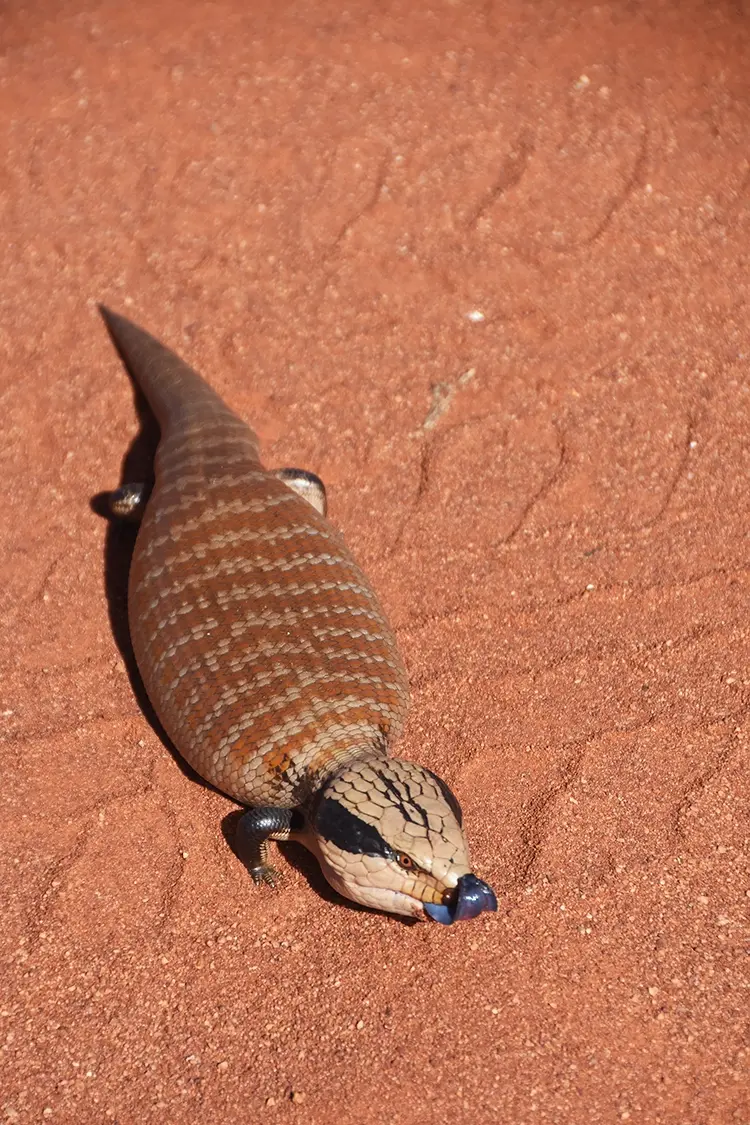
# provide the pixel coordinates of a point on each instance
(471, 898)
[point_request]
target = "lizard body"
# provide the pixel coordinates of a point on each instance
(269, 660)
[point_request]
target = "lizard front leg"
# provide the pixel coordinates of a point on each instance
(254, 830)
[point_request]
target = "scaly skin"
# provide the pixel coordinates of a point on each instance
(269, 660)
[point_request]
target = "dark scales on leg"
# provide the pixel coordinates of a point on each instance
(129, 501)
(254, 830)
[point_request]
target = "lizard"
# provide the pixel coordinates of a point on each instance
(270, 662)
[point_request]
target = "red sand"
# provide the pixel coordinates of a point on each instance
(550, 497)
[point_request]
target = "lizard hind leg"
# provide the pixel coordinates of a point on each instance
(129, 502)
(254, 830)
(309, 486)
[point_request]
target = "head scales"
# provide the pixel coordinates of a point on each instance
(388, 835)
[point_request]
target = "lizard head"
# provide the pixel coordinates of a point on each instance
(388, 835)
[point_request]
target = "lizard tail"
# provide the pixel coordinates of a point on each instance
(179, 397)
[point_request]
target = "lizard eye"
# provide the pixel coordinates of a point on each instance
(406, 862)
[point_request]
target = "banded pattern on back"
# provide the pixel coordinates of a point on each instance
(261, 645)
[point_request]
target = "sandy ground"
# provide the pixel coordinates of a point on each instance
(484, 266)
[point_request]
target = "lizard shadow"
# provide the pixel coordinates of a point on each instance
(300, 858)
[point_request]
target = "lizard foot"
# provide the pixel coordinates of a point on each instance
(129, 502)
(264, 873)
(309, 486)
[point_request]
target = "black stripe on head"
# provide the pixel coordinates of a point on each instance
(346, 831)
(450, 797)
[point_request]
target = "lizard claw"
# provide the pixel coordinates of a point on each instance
(264, 873)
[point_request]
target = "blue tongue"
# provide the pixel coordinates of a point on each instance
(439, 913)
